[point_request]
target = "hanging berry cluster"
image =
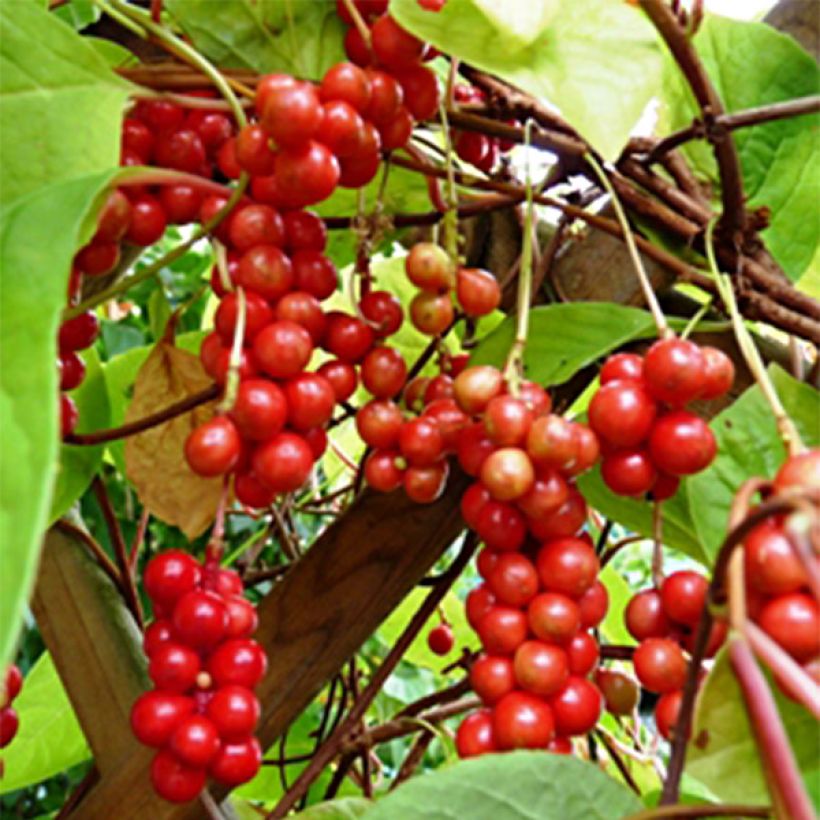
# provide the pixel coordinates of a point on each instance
(663, 621)
(202, 712)
(649, 441)
(780, 584)
(9, 722)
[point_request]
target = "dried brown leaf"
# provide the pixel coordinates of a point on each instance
(154, 460)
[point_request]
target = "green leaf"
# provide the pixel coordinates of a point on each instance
(725, 757)
(345, 808)
(678, 527)
(38, 237)
(513, 786)
(79, 464)
(751, 65)
(566, 337)
(599, 62)
(748, 445)
(294, 37)
(619, 593)
(78, 13)
(50, 739)
(60, 104)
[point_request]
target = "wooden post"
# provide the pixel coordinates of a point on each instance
(312, 621)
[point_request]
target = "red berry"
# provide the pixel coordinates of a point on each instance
(683, 595)
(474, 445)
(304, 231)
(552, 443)
(522, 721)
(213, 448)
(271, 84)
(182, 150)
(195, 742)
(284, 462)
(347, 337)
(478, 291)
(137, 139)
(622, 412)
(501, 526)
(393, 46)
(383, 310)
(342, 128)
(645, 617)
(502, 629)
(314, 273)
(292, 114)
(472, 502)
(97, 258)
(576, 707)
(621, 367)
(383, 372)
(553, 617)
(674, 371)
(306, 174)
(347, 82)
(237, 762)
(181, 203)
(719, 373)
(161, 115)
(545, 496)
(582, 652)
(255, 224)
(567, 565)
(682, 443)
(174, 667)
(621, 693)
(565, 521)
(431, 313)
(381, 471)
(310, 400)
(793, 621)
(9, 723)
(507, 420)
(420, 91)
(237, 662)
(155, 716)
(513, 579)
(242, 617)
(282, 349)
(200, 619)
(541, 668)
(440, 639)
(260, 410)
(593, 605)
(169, 575)
(475, 734)
(72, 370)
(667, 710)
(234, 711)
(173, 780)
(429, 267)
(342, 377)
(772, 565)
(379, 423)
(507, 473)
(79, 333)
(802, 470)
(660, 665)
(478, 603)
(492, 677)
(148, 221)
(420, 442)
(425, 484)
(475, 386)
(12, 685)
(629, 472)
(386, 98)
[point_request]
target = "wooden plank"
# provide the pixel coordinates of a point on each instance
(315, 618)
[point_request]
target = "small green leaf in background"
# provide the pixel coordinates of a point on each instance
(38, 237)
(291, 36)
(748, 445)
(729, 762)
(598, 61)
(49, 739)
(564, 338)
(751, 65)
(612, 626)
(345, 808)
(79, 464)
(513, 786)
(60, 104)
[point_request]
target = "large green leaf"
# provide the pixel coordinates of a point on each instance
(299, 38)
(49, 740)
(513, 786)
(60, 103)
(725, 756)
(79, 464)
(598, 61)
(345, 808)
(38, 237)
(750, 65)
(748, 445)
(564, 338)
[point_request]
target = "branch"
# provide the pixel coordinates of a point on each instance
(140, 425)
(734, 215)
(702, 810)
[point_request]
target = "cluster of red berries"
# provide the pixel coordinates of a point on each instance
(431, 270)
(480, 150)
(648, 440)
(664, 622)
(9, 722)
(780, 596)
(202, 713)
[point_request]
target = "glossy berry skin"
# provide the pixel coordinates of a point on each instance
(173, 780)
(565, 521)
(266, 271)
(629, 472)
(473, 447)
(174, 667)
(507, 420)
(683, 595)
(79, 333)
(242, 617)
(431, 313)
(622, 366)
(393, 46)
(306, 174)
(282, 349)
(478, 291)
(238, 662)
(622, 413)
(97, 258)
(667, 710)
(195, 742)
(379, 423)
(545, 496)
(719, 373)
(475, 386)
(513, 579)
(155, 716)
(430, 268)
(341, 128)
(382, 472)
(420, 90)
(292, 115)
(682, 443)
(593, 604)
(793, 621)
(420, 442)
(771, 563)
(501, 526)
(552, 443)
(12, 685)
(475, 735)
(440, 639)
(450, 420)
(237, 762)
(425, 484)
(310, 399)
(200, 619)
(314, 273)
(9, 723)
(342, 377)
(348, 337)
(540, 668)
(478, 603)
(553, 617)
(213, 448)
(522, 721)
(383, 310)
(472, 502)
(660, 665)
(383, 372)
(347, 82)
(251, 492)
(169, 575)
(234, 711)
(148, 221)
(583, 653)
(257, 315)
(621, 693)
(284, 462)
(507, 473)
(645, 617)
(492, 677)
(261, 409)
(567, 565)
(502, 629)
(674, 372)
(577, 707)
